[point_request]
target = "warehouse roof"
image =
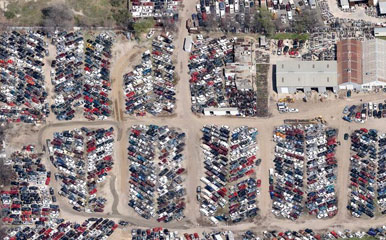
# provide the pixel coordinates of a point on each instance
(344, 4)
(306, 74)
(349, 61)
(382, 7)
(374, 60)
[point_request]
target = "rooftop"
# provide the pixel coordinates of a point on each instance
(306, 73)
(349, 58)
(374, 60)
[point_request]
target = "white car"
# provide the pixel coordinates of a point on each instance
(289, 15)
(150, 34)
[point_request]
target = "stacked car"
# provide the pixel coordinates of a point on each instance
(92, 228)
(286, 181)
(321, 170)
(67, 74)
(29, 199)
(363, 169)
(22, 88)
(97, 81)
(150, 87)
(156, 188)
(83, 158)
(228, 182)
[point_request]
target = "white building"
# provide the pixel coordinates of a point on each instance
(374, 64)
(211, 111)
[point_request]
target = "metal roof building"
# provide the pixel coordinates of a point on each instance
(380, 31)
(320, 76)
(374, 62)
(382, 7)
(344, 4)
(349, 58)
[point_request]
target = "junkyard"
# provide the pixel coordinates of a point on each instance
(176, 135)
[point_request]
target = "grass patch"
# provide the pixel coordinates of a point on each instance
(262, 89)
(86, 12)
(299, 36)
(383, 37)
(27, 13)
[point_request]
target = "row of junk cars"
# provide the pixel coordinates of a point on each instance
(164, 233)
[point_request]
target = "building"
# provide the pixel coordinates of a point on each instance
(374, 60)
(221, 111)
(380, 32)
(312, 3)
(292, 76)
(241, 71)
(382, 7)
(349, 60)
(344, 4)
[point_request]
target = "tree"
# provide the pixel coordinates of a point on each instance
(169, 24)
(58, 15)
(306, 21)
(122, 18)
(263, 22)
(6, 174)
(9, 15)
(116, 3)
(143, 26)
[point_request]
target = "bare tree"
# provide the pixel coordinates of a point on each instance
(57, 16)
(169, 24)
(6, 174)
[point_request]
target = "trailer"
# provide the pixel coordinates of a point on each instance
(188, 44)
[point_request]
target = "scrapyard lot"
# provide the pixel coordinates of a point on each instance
(150, 87)
(367, 173)
(83, 158)
(81, 78)
(294, 145)
(208, 85)
(191, 124)
(22, 93)
(229, 159)
(29, 199)
(156, 188)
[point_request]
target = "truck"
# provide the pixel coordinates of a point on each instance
(188, 44)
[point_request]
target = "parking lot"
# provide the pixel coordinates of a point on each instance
(229, 188)
(156, 169)
(22, 93)
(83, 158)
(364, 112)
(150, 87)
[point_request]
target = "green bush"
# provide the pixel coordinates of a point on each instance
(9, 14)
